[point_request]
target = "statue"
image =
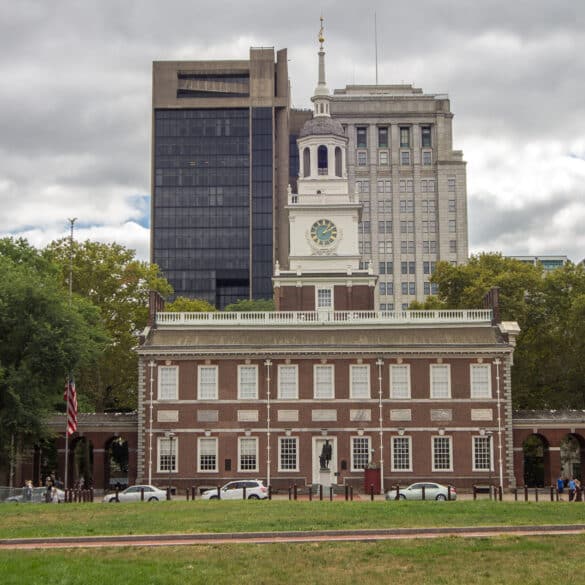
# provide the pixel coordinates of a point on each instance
(325, 456)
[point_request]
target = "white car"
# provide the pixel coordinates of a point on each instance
(433, 491)
(133, 494)
(234, 490)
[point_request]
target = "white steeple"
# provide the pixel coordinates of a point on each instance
(321, 97)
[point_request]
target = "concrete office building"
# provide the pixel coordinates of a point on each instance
(220, 151)
(411, 182)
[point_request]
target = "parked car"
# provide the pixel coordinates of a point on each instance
(433, 491)
(133, 494)
(234, 490)
(35, 496)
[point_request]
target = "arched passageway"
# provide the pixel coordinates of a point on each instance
(536, 461)
(116, 463)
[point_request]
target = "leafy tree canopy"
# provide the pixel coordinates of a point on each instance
(186, 305)
(112, 279)
(247, 305)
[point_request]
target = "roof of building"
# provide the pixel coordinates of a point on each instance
(322, 126)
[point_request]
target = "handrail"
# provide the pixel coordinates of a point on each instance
(319, 318)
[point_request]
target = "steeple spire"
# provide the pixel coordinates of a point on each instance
(321, 95)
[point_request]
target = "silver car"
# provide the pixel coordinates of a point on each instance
(234, 490)
(432, 491)
(134, 492)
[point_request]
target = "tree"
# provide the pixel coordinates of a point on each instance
(247, 305)
(186, 305)
(43, 337)
(111, 278)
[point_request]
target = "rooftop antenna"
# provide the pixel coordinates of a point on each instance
(376, 44)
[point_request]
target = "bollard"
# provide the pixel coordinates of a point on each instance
(330, 493)
(142, 494)
(397, 497)
(168, 493)
(536, 494)
(552, 493)
(500, 492)
(187, 494)
(424, 493)
(269, 492)
(525, 493)
(372, 492)
(449, 492)
(289, 492)
(320, 492)
(346, 492)
(295, 491)
(117, 493)
(92, 495)
(244, 493)
(351, 493)
(193, 492)
(475, 492)
(515, 494)
(219, 492)
(311, 493)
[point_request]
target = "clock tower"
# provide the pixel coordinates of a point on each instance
(324, 261)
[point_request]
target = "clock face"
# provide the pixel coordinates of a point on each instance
(323, 232)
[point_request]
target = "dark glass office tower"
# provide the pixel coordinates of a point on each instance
(220, 169)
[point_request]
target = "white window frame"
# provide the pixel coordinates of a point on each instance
(361, 158)
(404, 157)
(352, 392)
(408, 439)
(328, 289)
(427, 152)
(200, 370)
(245, 392)
(319, 394)
(383, 158)
(480, 389)
(162, 449)
(353, 440)
(281, 441)
(449, 440)
(488, 439)
(208, 440)
(240, 454)
(162, 392)
(433, 380)
(281, 368)
(399, 393)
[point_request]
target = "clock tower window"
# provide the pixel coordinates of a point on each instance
(306, 162)
(322, 159)
(338, 162)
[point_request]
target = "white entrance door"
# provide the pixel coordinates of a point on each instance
(318, 443)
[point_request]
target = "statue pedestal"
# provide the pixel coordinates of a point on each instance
(325, 480)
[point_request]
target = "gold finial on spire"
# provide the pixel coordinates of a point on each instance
(321, 37)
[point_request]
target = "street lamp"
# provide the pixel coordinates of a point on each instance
(497, 363)
(268, 364)
(380, 363)
(151, 365)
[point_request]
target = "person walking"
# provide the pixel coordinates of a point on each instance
(560, 486)
(578, 491)
(571, 487)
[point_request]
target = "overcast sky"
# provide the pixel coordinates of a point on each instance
(75, 101)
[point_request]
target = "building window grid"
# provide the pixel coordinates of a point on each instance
(359, 381)
(427, 158)
(207, 383)
(440, 381)
(362, 158)
(480, 381)
(360, 453)
(401, 454)
(248, 454)
(288, 454)
(323, 385)
(442, 454)
(168, 382)
(207, 461)
(288, 382)
(383, 158)
(247, 382)
(167, 454)
(482, 454)
(400, 381)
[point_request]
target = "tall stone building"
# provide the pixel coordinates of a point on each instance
(220, 151)
(411, 182)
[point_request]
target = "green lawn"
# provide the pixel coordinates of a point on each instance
(32, 520)
(506, 560)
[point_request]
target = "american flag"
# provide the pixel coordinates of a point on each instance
(70, 397)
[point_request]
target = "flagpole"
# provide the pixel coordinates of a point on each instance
(70, 377)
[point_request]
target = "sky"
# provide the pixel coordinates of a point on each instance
(75, 102)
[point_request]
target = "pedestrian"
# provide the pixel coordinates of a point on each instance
(27, 495)
(560, 485)
(578, 492)
(571, 487)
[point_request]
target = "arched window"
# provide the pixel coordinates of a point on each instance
(338, 171)
(322, 162)
(306, 162)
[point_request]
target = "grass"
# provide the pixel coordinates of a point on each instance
(507, 560)
(42, 520)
